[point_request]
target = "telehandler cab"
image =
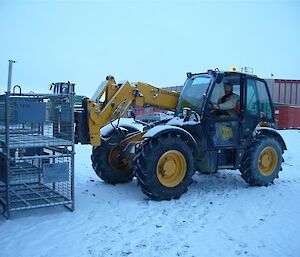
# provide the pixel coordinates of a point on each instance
(201, 137)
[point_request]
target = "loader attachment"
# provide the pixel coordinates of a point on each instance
(112, 101)
(81, 120)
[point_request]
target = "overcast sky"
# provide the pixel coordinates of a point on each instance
(151, 41)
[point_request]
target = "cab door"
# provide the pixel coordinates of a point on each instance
(223, 127)
(258, 106)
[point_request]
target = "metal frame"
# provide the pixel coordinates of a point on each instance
(26, 146)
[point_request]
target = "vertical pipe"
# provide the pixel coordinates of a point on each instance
(73, 149)
(7, 131)
(7, 146)
(10, 63)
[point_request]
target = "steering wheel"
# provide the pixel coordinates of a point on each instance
(210, 105)
(211, 108)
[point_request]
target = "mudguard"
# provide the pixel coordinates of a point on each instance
(123, 124)
(271, 132)
(161, 130)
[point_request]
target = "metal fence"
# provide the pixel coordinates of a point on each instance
(36, 151)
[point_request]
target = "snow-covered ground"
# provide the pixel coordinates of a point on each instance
(219, 216)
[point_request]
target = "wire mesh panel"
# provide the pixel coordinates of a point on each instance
(36, 151)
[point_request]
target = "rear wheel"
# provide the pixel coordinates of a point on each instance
(164, 167)
(262, 161)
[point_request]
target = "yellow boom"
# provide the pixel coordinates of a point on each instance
(118, 99)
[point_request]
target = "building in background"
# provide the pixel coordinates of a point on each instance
(285, 94)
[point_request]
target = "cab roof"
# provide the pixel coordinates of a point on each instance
(217, 71)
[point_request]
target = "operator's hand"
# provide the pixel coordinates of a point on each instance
(216, 106)
(213, 106)
(210, 105)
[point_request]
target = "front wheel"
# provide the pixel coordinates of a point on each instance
(164, 167)
(262, 161)
(108, 161)
(108, 164)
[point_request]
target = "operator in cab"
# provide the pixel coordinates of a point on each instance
(227, 104)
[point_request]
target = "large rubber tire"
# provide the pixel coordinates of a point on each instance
(111, 174)
(104, 168)
(250, 166)
(146, 161)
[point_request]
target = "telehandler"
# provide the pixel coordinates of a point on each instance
(163, 156)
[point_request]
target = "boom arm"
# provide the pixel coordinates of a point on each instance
(118, 99)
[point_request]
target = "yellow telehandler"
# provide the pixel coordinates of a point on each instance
(222, 120)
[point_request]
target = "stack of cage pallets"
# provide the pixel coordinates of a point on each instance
(36, 151)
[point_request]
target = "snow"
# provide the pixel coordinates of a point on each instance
(220, 215)
(157, 129)
(176, 121)
(128, 122)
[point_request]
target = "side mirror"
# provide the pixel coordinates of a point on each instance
(189, 75)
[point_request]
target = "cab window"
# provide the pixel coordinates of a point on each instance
(258, 101)
(264, 100)
(252, 104)
(227, 95)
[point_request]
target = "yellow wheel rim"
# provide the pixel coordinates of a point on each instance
(267, 161)
(171, 168)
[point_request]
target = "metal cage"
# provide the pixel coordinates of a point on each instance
(36, 151)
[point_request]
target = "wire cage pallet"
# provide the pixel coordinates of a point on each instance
(36, 151)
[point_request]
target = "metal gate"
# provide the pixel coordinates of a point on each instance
(36, 151)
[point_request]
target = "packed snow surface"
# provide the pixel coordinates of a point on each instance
(220, 215)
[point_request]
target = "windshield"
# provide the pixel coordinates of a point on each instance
(193, 92)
